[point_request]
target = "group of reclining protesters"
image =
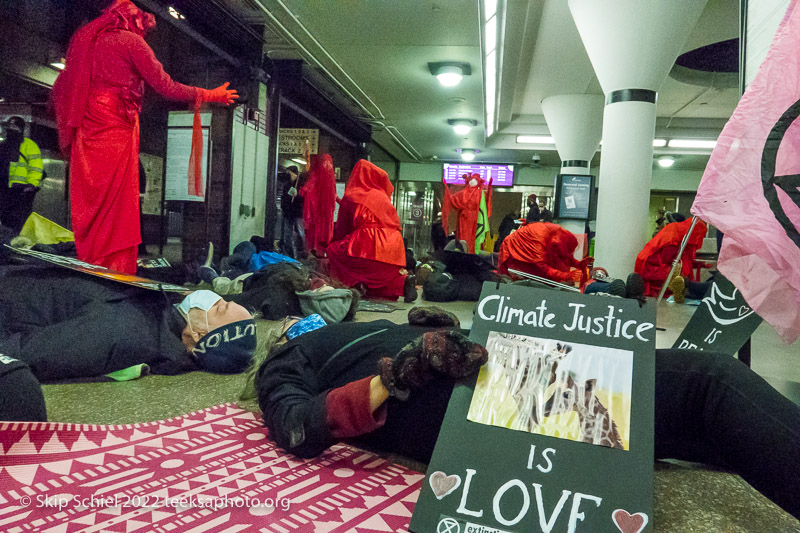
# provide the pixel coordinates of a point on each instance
(362, 382)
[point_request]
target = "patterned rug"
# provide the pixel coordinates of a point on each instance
(213, 470)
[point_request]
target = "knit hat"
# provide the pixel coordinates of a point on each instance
(227, 349)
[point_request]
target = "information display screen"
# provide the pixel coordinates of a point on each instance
(501, 175)
(573, 196)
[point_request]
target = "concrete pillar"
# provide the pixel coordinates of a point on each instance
(575, 121)
(632, 45)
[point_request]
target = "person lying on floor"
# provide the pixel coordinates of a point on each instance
(386, 387)
(69, 325)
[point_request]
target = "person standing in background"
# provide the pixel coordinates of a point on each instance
(292, 232)
(545, 215)
(533, 210)
(97, 99)
(21, 162)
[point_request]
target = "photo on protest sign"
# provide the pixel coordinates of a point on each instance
(551, 387)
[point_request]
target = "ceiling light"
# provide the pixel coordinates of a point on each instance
(468, 155)
(462, 126)
(534, 139)
(174, 13)
(659, 143)
(489, 8)
(450, 74)
(299, 161)
(692, 143)
(665, 161)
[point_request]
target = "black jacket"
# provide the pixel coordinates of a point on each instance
(68, 325)
(293, 384)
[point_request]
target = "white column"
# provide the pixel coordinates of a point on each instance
(632, 45)
(575, 121)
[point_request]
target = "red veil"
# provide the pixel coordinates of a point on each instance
(319, 195)
(369, 186)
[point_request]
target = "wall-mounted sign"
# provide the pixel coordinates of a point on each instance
(293, 140)
(573, 196)
(556, 431)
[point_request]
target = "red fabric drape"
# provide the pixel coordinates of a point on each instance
(655, 260)
(97, 100)
(467, 201)
(319, 194)
(368, 246)
(540, 248)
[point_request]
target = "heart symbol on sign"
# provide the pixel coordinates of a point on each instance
(442, 484)
(629, 523)
(743, 310)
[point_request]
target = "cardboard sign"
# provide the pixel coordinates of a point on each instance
(722, 322)
(555, 434)
(102, 272)
(293, 140)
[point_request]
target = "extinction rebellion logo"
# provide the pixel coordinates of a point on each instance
(771, 182)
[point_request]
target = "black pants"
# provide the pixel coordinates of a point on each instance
(21, 396)
(16, 206)
(709, 408)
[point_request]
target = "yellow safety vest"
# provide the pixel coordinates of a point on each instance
(28, 169)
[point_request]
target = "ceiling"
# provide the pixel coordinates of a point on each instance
(372, 58)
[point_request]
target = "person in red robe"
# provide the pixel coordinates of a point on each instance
(97, 100)
(367, 248)
(467, 201)
(543, 249)
(319, 193)
(655, 260)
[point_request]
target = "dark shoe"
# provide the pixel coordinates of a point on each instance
(207, 274)
(634, 286)
(617, 288)
(410, 289)
(361, 288)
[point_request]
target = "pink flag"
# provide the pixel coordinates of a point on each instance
(750, 187)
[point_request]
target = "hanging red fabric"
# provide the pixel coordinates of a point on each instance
(196, 156)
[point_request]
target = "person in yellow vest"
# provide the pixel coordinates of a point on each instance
(21, 158)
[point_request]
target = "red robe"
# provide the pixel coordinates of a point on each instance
(367, 245)
(542, 249)
(467, 201)
(655, 260)
(97, 101)
(319, 194)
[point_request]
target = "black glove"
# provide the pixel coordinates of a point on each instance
(24, 187)
(432, 316)
(444, 353)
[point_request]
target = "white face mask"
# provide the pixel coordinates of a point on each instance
(473, 182)
(202, 299)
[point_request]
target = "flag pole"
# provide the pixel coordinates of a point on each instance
(677, 260)
(546, 281)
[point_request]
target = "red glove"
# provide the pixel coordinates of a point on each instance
(586, 263)
(220, 95)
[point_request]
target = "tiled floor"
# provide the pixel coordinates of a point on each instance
(688, 498)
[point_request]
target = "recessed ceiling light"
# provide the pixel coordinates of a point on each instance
(659, 143)
(666, 161)
(692, 143)
(534, 139)
(467, 155)
(462, 126)
(450, 74)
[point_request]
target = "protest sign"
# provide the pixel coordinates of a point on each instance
(722, 322)
(555, 434)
